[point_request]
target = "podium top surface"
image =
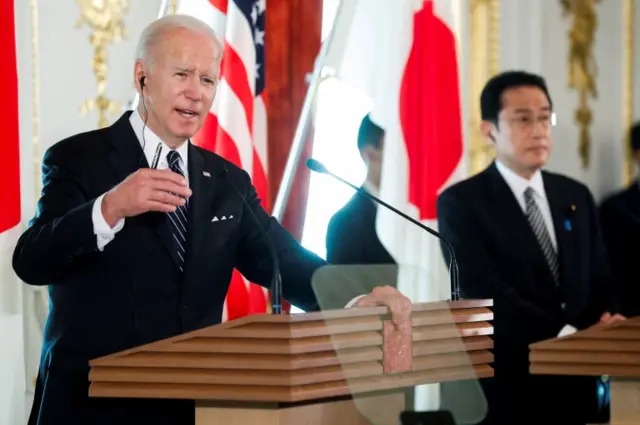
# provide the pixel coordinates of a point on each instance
(300, 357)
(612, 350)
(316, 324)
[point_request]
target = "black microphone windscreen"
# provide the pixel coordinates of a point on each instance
(316, 166)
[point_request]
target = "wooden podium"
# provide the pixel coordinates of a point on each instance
(612, 351)
(315, 368)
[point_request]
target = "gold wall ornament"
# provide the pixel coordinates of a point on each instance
(106, 20)
(582, 66)
(484, 63)
(173, 7)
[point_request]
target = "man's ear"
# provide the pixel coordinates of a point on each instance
(138, 74)
(369, 153)
(636, 154)
(487, 129)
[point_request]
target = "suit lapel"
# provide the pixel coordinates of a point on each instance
(127, 155)
(203, 180)
(126, 158)
(512, 219)
(563, 226)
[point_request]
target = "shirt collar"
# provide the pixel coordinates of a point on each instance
(519, 184)
(150, 143)
(370, 187)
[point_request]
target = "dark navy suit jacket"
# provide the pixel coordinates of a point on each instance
(132, 293)
(500, 258)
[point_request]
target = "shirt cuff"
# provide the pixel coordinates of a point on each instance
(104, 233)
(567, 330)
(353, 301)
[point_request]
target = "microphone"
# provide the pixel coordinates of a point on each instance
(156, 156)
(276, 277)
(318, 167)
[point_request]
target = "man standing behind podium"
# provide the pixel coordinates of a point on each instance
(531, 241)
(351, 234)
(132, 254)
(620, 218)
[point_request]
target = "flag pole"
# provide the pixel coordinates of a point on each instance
(302, 128)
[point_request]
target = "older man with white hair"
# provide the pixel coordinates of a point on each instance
(125, 234)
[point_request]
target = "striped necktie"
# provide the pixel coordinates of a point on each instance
(536, 222)
(178, 218)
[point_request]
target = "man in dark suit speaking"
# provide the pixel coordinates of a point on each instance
(530, 240)
(134, 254)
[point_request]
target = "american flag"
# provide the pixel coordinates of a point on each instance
(236, 127)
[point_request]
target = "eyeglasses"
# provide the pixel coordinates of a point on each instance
(526, 122)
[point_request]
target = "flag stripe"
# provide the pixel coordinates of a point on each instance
(221, 5)
(227, 148)
(211, 12)
(240, 37)
(9, 131)
(260, 129)
(231, 118)
(235, 75)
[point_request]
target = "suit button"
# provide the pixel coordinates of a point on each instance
(185, 306)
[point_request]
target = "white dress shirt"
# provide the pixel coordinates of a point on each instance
(518, 185)
(371, 188)
(103, 231)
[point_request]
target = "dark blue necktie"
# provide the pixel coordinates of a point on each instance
(178, 218)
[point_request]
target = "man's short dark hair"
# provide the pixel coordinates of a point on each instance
(634, 137)
(369, 134)
(491, 96)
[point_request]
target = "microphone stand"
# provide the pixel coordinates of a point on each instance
(318, 167)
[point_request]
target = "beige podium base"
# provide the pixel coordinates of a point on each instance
(372, 410)
(625, 401)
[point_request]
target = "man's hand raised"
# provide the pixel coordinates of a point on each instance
(145, 190)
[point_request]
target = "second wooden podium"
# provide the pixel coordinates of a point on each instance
(333, 367)
(612, 350)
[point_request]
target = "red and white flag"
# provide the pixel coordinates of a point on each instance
(10, 164)
(403, 53)
(12, 367)
(236, 127)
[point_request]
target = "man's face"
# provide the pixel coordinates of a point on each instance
(181, 83)
(522, 138)
(373, 159)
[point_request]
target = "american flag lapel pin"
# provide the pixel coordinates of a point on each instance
(206, 174)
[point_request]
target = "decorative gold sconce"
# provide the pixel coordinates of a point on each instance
(484, 57)
(582, 66)
(106, 19)
(173, 7)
